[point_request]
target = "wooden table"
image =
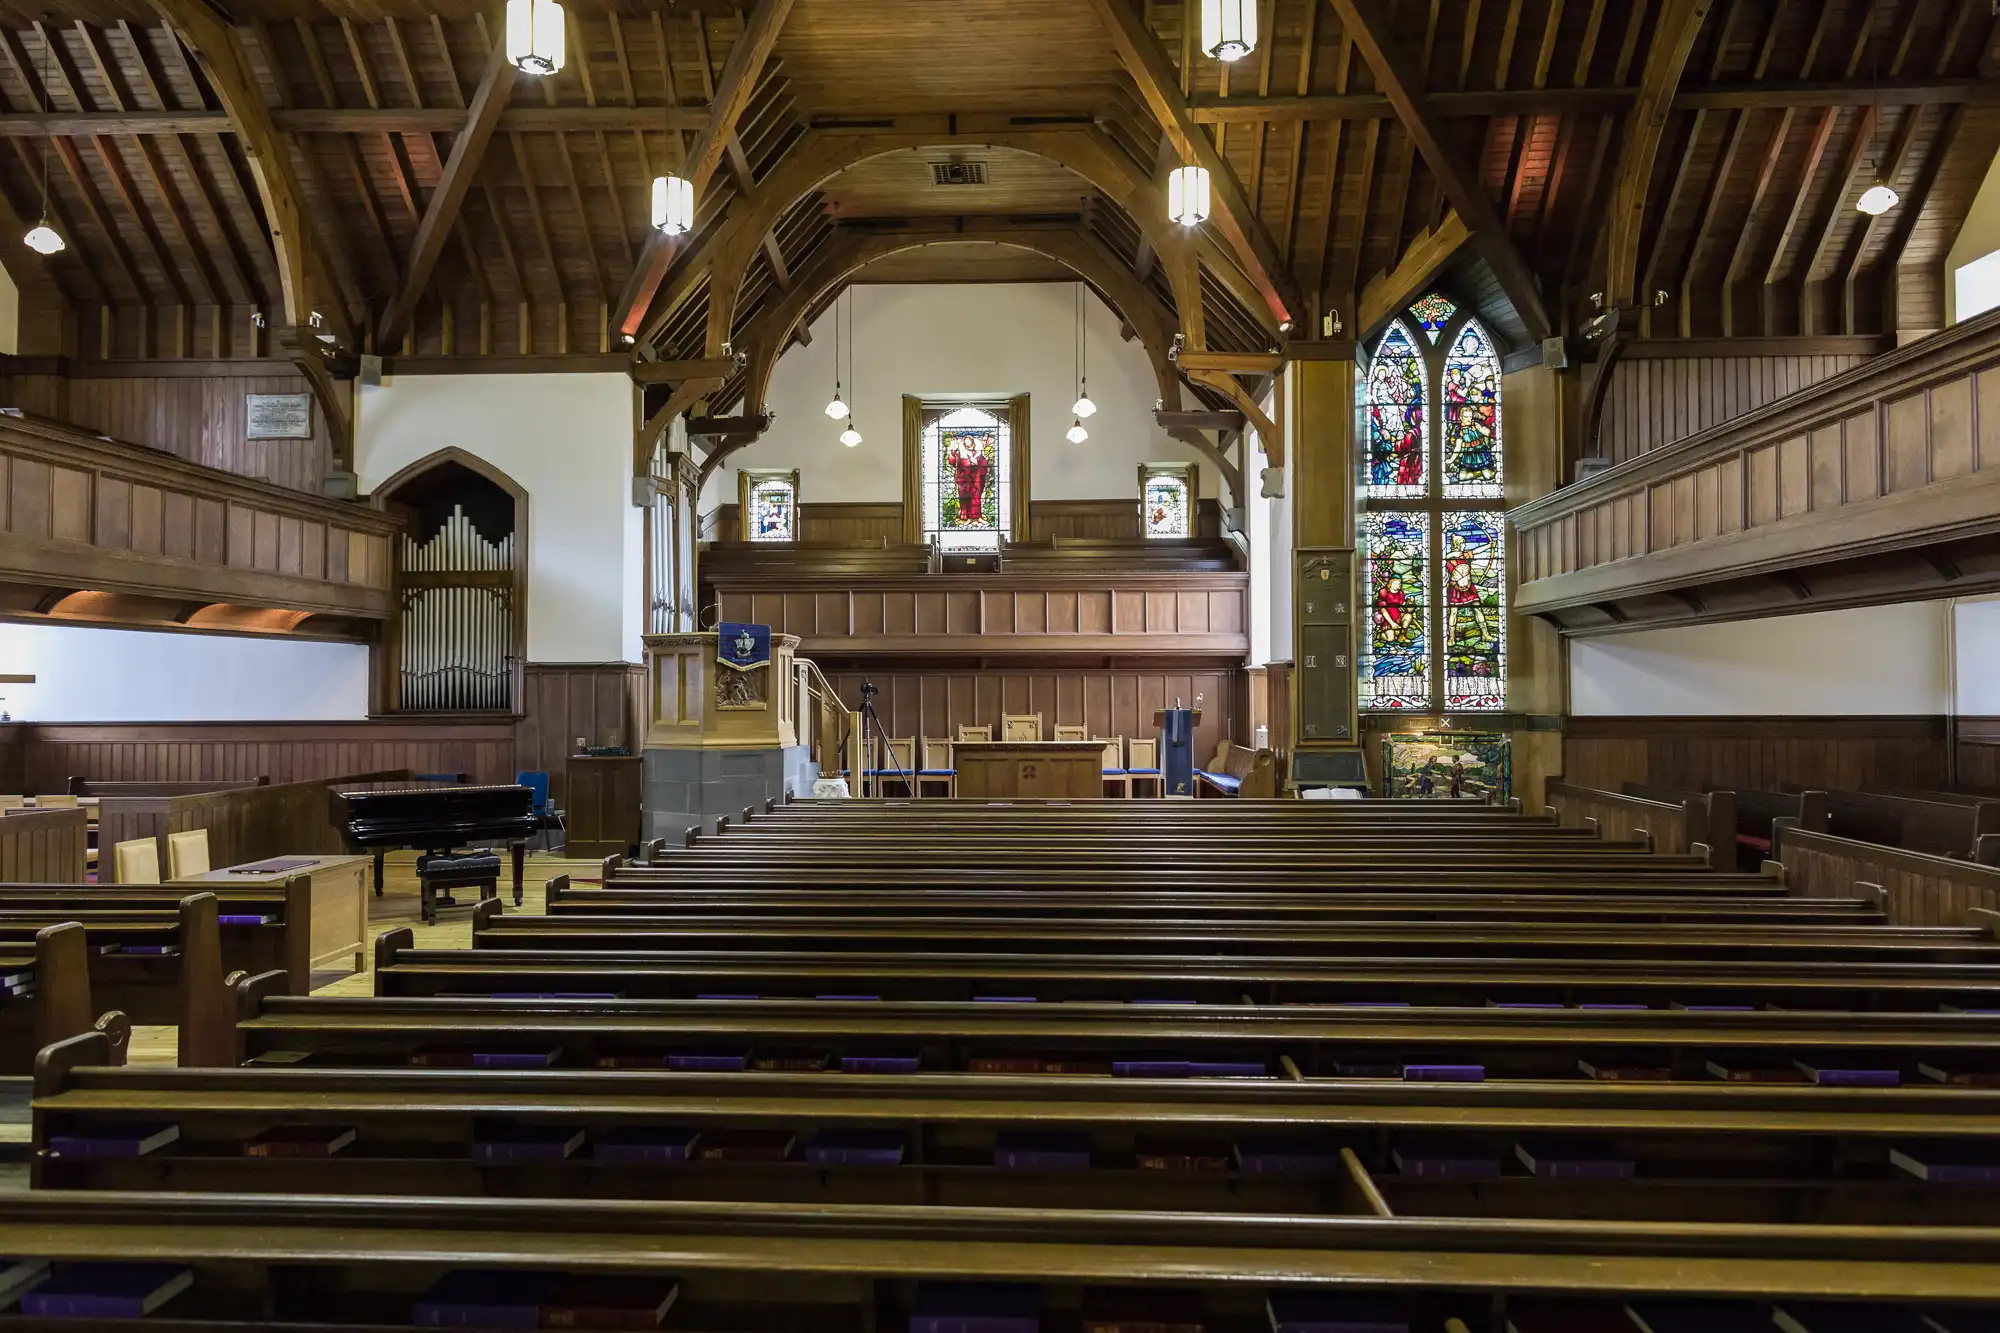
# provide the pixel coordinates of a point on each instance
(1029, 768)
(339, 902)
(602, 808)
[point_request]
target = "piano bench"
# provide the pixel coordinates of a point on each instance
(450, 870)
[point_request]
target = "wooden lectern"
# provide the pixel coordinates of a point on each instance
(1176, 727)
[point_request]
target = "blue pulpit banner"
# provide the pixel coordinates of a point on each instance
(743, 647)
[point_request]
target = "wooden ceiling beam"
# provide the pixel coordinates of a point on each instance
(219, 50)
(1139, 51)
(739, 81)
(441, 214)
(1389, 292)
(1403, 85)
(80, 179)
(1645, 127)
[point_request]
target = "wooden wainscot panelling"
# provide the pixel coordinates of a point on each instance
(1187, 615)
(1755, 753)
(1916, 889)
(82, 511)
(1881, 483)
(1663, 392)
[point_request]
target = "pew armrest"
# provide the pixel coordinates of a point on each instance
(387, 945)
(54, 1062)
(251, 992)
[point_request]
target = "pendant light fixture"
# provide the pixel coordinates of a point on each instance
(42, 238)
(673, 204)
(1228, 28)
(849, 437)
(1880, 197)
(1083, 407)
(536, 36)
(1187, 196)
(837, 407)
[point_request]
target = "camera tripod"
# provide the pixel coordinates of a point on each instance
(870, 717)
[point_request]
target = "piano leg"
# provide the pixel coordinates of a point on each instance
(379, 858)
(520, 850)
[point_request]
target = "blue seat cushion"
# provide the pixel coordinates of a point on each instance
(1114, 772)
(1222, 780)
(1144, 772)
(937, 772)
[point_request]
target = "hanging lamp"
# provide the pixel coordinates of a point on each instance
(1228, 28)
(536, 36)
(837, 407)
(1082, 407)
(42, 238)
(1076, 434)
(673, 204)
(1187, 196)
(1880, 197)
(849, 437)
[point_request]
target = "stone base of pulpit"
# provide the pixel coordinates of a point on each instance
(718, 741)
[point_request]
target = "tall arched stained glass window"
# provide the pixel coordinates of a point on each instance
(1433, 540)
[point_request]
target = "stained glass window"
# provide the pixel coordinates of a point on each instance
(1398, 425)
(1433, 556)
(1166, 500)
(1475, 622)
(966, 479)
(774, 506)
(1433, 312)
(1395, 652)
(1471, 418)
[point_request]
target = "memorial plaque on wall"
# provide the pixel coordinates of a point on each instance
(1323, 646)
(278, 416)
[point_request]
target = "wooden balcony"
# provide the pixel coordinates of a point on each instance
(98, 530)
(1882, 484)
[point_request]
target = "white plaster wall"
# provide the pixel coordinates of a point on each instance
(10, 312)
(1976, 622)
(567, 440)
(1978, 238)
(89, 674)
(1273, 518)
(1262, 558)
(989, 340)
(1870, 660)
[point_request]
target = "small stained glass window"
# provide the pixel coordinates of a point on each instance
(1166, 500)
(1475, 622)
(966, 479)
(1396, 655)
(1471, 418)
(1398, 425)
(1433, 313)
(768, 503)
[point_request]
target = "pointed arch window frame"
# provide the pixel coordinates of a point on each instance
(1444, 515)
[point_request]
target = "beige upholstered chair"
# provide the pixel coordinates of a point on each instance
(187, 854)
(13, 802)
(980, 735)
(1020, 726)
(1117, 782)
(1072, 733)
(938, 769)
(58, 802)
(898, 765)
(137, 861)
(1142, 764)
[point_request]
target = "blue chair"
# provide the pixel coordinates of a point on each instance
(537, 781)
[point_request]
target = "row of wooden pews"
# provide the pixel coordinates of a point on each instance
(1420, 1068)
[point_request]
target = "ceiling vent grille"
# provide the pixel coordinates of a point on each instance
(958, 173)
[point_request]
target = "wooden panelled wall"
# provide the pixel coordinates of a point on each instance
(1114, 702)
(1654, 401)
(1838, 753)
(1979, 752)
(869, 524)
(562, 702)
(200, 418)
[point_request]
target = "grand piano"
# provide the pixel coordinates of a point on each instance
(438, 819)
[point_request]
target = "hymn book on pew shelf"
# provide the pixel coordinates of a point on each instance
(106, 1291)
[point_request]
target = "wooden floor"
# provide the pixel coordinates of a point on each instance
(396, 907)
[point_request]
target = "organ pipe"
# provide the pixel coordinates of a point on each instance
(457, 635)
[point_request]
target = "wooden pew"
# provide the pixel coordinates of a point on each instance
(51, 998)
(45, 846)
(1273, 1146)
(1961, 944)
(1764, 904)
(249, 945)
(1935, 827)
(1677, 826)
(401, 969)
(1914, 888)
(285, 1262)
(89, 787)
(1760, 815)
(1710, 818)
(1238, 772)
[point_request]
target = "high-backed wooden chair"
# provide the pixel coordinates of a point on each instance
(61, 801)
(1072, 733)
(1020, 726)
(1142, 764)
(187, 854)
(938, 769)
(1117, 782)
(982, 735)
(13, 802)
(896, 764)
(137, 860)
